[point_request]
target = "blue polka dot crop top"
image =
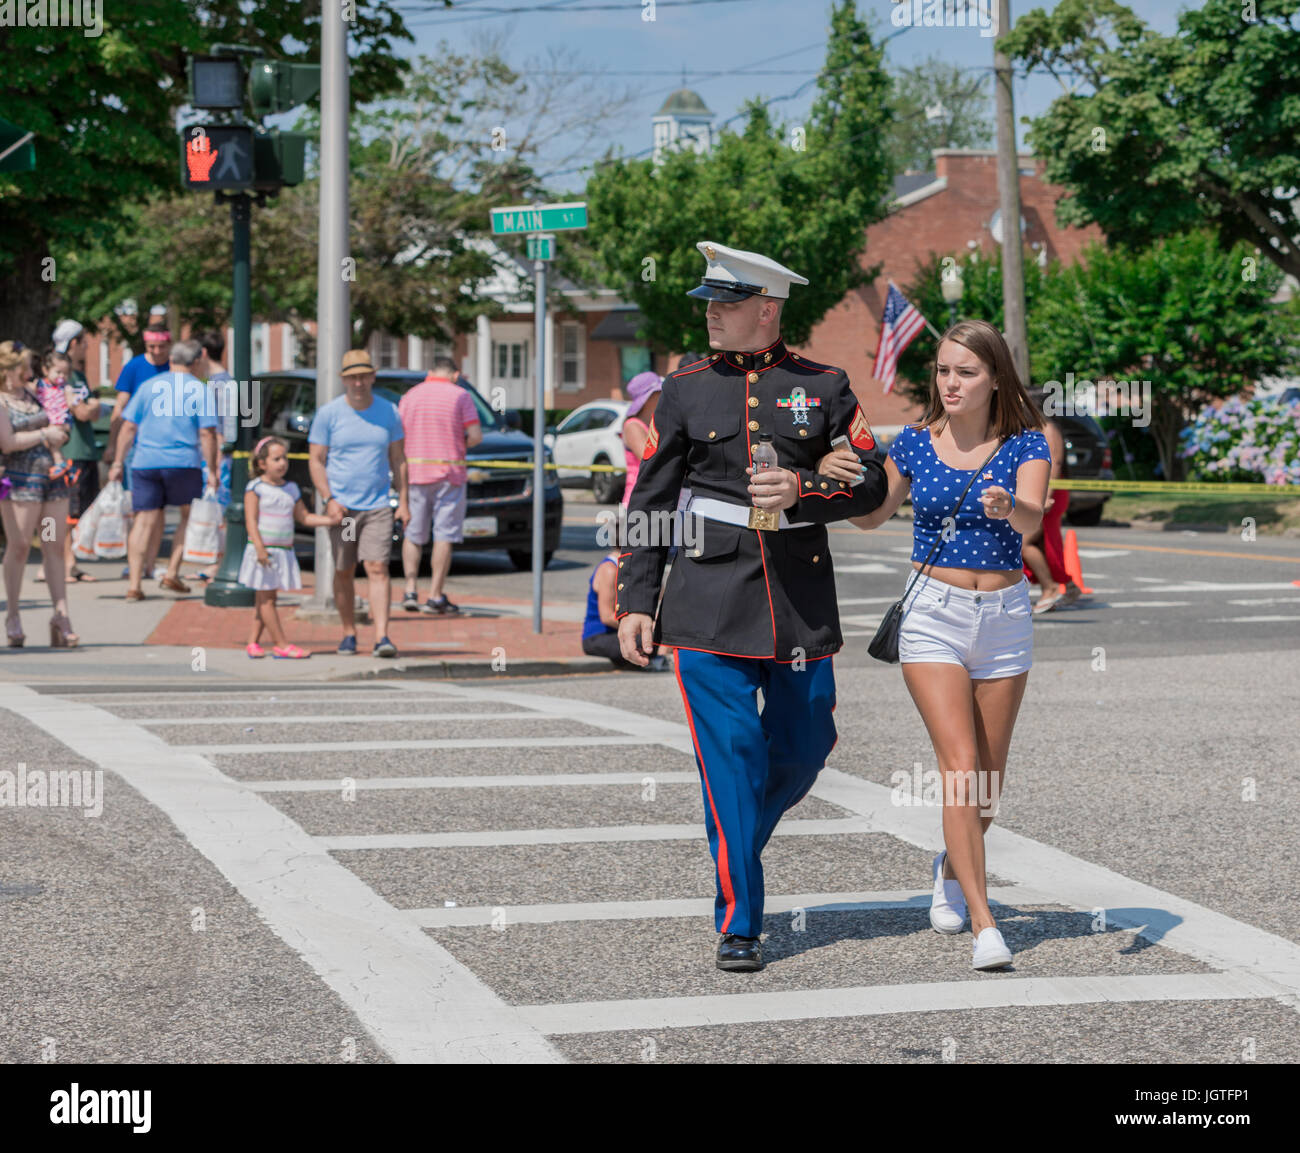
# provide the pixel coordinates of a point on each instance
(980, 542)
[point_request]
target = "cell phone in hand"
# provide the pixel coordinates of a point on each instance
(843, 442)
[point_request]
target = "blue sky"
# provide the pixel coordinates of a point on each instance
(732, 50)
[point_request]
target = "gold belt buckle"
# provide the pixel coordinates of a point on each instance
(765, 519)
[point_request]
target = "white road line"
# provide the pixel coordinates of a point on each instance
(982, 992)
(1291, 600)
(272, 693)
(594, 834)
(511, 781)
(416, 1000)
(867, 568)
(343, 719)
(1191, 586)
(1250, 620)
(1102, 553)
(1136, 605)
(394, 745)
(810, 903)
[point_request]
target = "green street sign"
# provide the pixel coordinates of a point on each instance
(542, 218)
(541, 247)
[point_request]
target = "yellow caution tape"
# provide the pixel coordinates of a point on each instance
(1171, 487)
(1167, 487)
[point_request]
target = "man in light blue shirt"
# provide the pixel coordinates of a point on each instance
(358, 452)
(171, 421)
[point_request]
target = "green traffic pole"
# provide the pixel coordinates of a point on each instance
(226, 591)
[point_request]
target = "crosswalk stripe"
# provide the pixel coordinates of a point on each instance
(578, 836)
(346, 718)
(504, 780)
(394, 745)
(988, 991)
(810, 903)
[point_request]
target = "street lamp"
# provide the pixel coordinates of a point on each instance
(952, 287)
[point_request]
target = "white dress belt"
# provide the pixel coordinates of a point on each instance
(728, 513)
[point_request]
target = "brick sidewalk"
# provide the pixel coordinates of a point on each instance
(469, 637)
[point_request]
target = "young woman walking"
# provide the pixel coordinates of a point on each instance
(966, 642)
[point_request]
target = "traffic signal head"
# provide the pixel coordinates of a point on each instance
(215, 81)
(217, 156)
(278, 86)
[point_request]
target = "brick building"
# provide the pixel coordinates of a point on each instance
(951, 212)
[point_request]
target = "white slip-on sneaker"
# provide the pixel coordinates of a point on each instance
(991, 951)
(947, 905)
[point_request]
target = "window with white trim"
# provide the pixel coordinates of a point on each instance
(385, 352)
(570, 350)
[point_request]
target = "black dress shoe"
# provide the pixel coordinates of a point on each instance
(740, 954)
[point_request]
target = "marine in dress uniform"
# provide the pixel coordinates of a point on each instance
(750, 600)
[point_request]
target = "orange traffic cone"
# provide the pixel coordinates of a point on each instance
(1073, 568)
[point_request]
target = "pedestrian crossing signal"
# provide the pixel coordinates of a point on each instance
(217, 156)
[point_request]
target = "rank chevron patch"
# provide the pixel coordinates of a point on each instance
(651, 441)
(860, 432)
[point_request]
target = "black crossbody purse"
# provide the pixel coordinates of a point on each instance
(884, 645)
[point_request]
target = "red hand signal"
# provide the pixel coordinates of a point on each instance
(200, 156)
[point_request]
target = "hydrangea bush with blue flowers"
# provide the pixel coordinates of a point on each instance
(1245, 440)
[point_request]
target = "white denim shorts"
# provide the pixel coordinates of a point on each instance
(990, 634)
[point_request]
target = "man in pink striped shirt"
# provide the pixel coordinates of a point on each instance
(441, 423)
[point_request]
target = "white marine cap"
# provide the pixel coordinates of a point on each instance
(734, 275)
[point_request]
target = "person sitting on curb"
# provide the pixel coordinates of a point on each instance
(600, 628)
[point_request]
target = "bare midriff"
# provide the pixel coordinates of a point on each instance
(976, 579)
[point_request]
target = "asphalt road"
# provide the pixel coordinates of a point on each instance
(514, 869)
(1156, 593)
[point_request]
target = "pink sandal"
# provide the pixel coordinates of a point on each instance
(289, 653)
(255, 650)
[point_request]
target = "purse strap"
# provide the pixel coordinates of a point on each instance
(938, 540)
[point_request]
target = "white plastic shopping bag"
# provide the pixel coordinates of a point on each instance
(113, 522)
(203, 533)
(83, 539)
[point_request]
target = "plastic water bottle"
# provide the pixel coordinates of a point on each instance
(764, 454)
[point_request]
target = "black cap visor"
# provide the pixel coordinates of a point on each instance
(726, 291)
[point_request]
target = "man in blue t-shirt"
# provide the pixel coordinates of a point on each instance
(358, 452)
(171, 423)
(154, 359)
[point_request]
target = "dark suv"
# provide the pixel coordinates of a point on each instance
(1087, 457)
(499, 505)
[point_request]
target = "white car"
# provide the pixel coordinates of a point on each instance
(591, 434)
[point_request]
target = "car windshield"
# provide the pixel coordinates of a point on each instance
(392, 390)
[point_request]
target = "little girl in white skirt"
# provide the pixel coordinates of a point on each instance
(271, 507)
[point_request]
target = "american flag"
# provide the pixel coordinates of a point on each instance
(898, 329)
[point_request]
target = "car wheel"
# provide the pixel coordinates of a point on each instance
(1085, 517)
(522, 559)
(606, 487)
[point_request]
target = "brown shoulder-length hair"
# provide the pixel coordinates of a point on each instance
(1010, 409)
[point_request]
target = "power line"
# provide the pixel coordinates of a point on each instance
(563, 7)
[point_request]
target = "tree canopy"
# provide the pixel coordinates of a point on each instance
(1195, 321)
(1201, 128)
(800, 194)
(103, 109)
